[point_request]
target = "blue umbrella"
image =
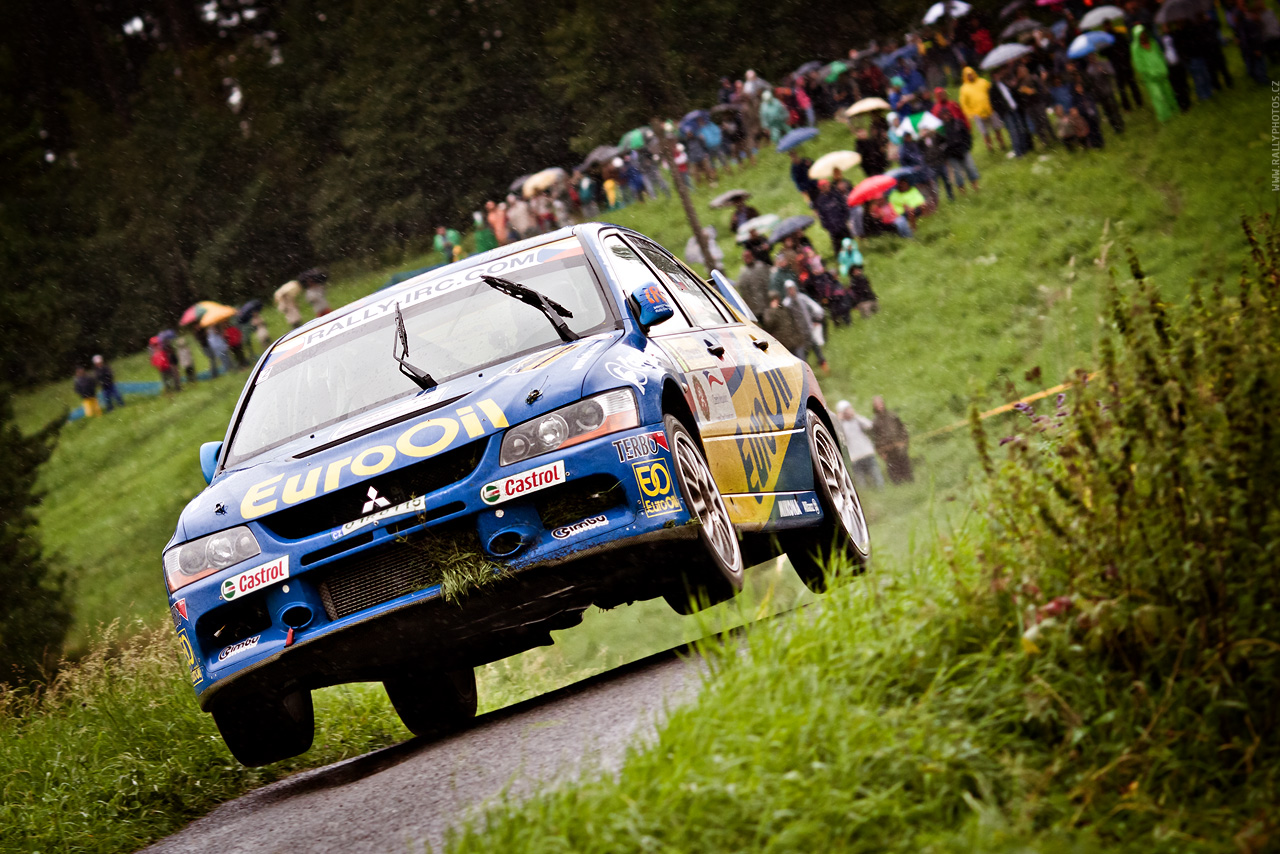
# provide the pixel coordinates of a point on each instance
(795, 137)
(913, 174)
(1086, 43)
(689, 124)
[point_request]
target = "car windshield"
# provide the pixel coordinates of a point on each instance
(456, 325)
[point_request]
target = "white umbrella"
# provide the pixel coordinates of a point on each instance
(1004, 54)
(867, 105)
(762, 224)
(958, 9)
(1095, 18)
(825, 165)
(544, 180)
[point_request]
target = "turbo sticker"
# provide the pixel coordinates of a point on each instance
(420, 440)
(656, 494)
(523, 483)
(639, 447)
(252, 579)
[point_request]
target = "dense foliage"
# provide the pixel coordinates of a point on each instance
(164, 152)
(35, 609)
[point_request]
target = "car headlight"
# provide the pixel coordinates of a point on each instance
(570, 425)
(194, 560)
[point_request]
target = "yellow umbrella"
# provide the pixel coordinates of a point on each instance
(216, 313)
(867, 105)
(544, 180)
(826, 165)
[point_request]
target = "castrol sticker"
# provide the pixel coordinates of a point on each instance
(522, 484)
(252, 579)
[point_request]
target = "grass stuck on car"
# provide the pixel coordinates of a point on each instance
(441, 474)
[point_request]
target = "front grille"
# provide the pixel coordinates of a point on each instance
(344, 505)
(376, 576)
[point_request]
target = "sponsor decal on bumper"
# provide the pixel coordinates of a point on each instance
(567, 531)
(523, 483)
(237, 648)
(413, 505)
(657, 493)
(252, 579)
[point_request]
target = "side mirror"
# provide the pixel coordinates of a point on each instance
(651, 306)
(209, 452)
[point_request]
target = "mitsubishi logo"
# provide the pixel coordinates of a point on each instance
(375, 501)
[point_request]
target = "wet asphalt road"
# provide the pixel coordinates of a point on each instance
(400, 797)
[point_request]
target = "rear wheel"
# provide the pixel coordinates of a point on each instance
(434, 702)
(715, 574)
(841, 540)
(260, 730)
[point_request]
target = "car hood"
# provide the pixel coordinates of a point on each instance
(404, 432)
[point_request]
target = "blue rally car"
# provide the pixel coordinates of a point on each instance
(439, 475)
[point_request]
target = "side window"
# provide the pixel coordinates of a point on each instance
(701, 307)
(632, 272)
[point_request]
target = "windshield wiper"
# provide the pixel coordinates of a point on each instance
(551, 309)
(422, 378)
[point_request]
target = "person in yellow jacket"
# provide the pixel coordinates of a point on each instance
(976, 103)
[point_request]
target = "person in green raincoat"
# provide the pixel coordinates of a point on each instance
(1149, 65)
(850, 256)
(773, 116)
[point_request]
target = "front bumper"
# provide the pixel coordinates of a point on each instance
(361, 601)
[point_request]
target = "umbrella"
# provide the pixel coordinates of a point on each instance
(908, 52)
(1172, 11)
(517, 184)
(1004, 54)
(1086, 43)
(1010, 8)
(825, 165)
(1095, 18)
(914, 174)
(600, 155)
(694, 115)
(793, 138)
(635, 138)
(811, 65)
(248, 310)
(1049, 2)
(872, 188)
(727, 198)
(833, 70)
(958, 9)
(207, 313)
(867, 105)
(166, 335)
(544, 180)
(760, 224)
(918, 124)
(789, 226)
(1017, 28)
(726, 108)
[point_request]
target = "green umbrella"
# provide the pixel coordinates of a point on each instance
(834, 70)
(636, 138)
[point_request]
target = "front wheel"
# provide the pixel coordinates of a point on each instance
(840, 541)
(260, 730)
(433, 702)
(715, 574)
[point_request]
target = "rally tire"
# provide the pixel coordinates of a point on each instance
(713, 573)
(433, 702)
(841, 540)
(260, 730)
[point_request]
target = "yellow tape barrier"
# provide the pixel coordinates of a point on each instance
(1008, 407)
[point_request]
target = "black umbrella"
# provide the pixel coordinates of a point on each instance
(721, 109)
(789, 226)
(1010, 8)
(600, 155)
(811, 65)
(1172, 11)
(725, 199)
(248, 310)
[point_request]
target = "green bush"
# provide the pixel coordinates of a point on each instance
(1134, 543)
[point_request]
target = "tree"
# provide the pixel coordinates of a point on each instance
(34, 611)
